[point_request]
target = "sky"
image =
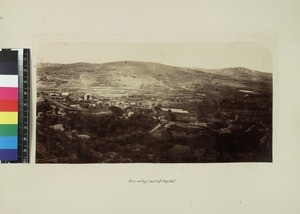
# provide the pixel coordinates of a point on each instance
(199, 55)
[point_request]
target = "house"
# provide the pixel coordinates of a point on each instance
(65, 96)
(75, 106)
(174, 110)
(87, 97)
(54, 94)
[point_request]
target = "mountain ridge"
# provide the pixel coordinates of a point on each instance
(132, 74)
(42, 64)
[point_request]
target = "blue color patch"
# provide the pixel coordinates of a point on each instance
(8, 142)
(8, 154)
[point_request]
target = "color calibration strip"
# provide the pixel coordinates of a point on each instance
(8, 105)
(14, 105)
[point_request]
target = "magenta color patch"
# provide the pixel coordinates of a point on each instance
(8, 93)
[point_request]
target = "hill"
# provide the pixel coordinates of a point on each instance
(150, 76)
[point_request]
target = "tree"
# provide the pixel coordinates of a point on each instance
(157, 109)
(116, 110)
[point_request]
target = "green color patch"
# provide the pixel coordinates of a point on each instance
(8, 130)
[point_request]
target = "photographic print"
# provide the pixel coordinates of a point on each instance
(154, 103)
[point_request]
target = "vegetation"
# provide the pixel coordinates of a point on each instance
(112, 138)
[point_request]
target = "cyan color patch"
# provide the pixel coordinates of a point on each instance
(8, 142)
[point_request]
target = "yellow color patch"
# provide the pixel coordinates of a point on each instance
(8, 117)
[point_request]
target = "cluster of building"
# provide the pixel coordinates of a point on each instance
(87, 100)
(129, 104)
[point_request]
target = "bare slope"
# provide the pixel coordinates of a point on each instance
(149, 75)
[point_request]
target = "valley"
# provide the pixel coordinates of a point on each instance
(129, 112)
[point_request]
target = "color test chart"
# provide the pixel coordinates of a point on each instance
(14, 105)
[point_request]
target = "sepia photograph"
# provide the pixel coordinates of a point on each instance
(163, 107)
(154, 103)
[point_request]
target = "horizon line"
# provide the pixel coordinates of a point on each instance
(221, 68)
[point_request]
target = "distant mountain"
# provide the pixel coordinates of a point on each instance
(147, 75)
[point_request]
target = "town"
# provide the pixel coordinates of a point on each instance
(176, 126)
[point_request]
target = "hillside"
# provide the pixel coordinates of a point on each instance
(151, 76)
